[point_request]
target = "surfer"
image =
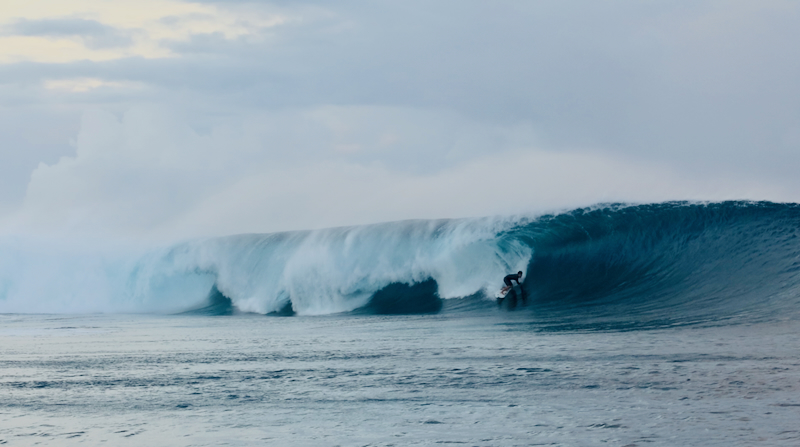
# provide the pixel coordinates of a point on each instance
(509, 278)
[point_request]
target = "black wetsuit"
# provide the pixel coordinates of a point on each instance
(510, 278)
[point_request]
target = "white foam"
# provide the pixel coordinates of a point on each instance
(323, 271)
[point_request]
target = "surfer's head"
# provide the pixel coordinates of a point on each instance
(519, 273)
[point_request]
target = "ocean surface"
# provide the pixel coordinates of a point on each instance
(636, 325)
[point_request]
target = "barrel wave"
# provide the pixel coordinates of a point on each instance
(622, 267)
(605, 267)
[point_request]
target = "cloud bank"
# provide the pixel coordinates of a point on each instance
(201, 118)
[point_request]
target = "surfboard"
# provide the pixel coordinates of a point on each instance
(500, 294)
(513, 298)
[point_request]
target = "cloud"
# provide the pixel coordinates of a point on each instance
(702, 98)
(94, 34)
(79, 85)
(153, 175)
(97, 30)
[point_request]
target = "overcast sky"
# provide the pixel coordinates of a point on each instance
(177, 118)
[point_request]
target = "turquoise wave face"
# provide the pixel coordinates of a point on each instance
(663, 264)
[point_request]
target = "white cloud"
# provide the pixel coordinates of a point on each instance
(509, 182)
(79, 85)
(150, 174)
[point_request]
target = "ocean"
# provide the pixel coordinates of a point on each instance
(636, 325)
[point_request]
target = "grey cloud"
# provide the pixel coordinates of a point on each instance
(94, 34)
(610, 75)
(27, 142)
(700, 87)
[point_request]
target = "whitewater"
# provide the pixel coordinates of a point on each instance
(652, 324)
(312, 272)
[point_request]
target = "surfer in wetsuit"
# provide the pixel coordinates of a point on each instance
(509, 278)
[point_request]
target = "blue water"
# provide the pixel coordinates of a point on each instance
(659, 325)
(419, 380)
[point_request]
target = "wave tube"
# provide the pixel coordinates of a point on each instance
(664, 264)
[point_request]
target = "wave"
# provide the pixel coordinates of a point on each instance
(667, 264)
(616, 265)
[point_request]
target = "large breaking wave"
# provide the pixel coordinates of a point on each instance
(671, 263)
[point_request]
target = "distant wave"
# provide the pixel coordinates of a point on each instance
(621, 265)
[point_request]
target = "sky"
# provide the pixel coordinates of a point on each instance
(176, 119)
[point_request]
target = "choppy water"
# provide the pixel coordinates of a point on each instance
(436, 379)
